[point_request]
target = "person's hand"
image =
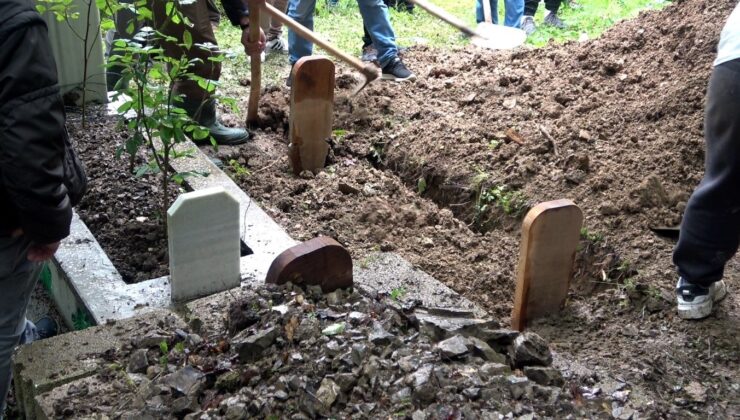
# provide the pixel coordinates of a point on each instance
(42, 252)
(252, 48)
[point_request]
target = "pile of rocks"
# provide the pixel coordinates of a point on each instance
(287, 352)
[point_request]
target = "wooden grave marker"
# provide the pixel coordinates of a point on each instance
(311, 113)
(320, 261)
(550, 235)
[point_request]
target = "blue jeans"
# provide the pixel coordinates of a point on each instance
(17, 279)
(514, 12)
(374, 15)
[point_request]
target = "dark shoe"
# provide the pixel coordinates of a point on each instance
(204, 113)
(552, 19)
(694, 301)
(46, 327)
(528, 25)
(396, 71)
(369, 54)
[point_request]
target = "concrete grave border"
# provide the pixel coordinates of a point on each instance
(88, 290)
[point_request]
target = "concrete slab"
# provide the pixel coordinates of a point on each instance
(47, 364)
(390, 273)
(203, 237)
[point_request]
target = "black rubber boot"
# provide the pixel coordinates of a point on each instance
(204, 113)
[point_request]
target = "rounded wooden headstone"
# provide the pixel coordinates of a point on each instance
(311, 113)
(550, 235)
(321, 262)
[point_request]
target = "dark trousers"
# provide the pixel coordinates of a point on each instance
(530, 6)
(710, 230)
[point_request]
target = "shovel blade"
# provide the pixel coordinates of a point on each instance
(498, 37)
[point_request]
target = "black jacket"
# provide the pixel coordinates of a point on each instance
(40, 177)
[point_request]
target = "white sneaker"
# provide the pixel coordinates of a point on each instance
(276, 45)
(694, 301)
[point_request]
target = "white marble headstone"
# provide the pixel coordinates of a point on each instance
(203, 235)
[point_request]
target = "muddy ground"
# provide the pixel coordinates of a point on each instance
(443, 169)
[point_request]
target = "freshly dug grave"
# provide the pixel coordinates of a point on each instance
(289, 352)
(122, 211)
(614, 124)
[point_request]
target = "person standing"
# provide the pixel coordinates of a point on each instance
(710, 230)
(273, 29)
(198, 103)
(551, 18)
(40, 175)
(514, 10)
(374, 16)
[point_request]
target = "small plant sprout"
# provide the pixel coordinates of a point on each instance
(398, 293)
(421, 185)
(238, 170)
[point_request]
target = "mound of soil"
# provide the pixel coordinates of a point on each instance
(431, 169)
(122, 211)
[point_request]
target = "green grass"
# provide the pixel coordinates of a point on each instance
(588, 19)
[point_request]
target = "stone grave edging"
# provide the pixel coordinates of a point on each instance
(87, 289)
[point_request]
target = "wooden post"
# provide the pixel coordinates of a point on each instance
(311, 113)
(550, 235)
(321, 262)
(255, 85)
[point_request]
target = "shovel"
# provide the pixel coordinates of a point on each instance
(486, 35)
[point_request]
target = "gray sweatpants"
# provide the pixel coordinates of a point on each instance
(17, 279)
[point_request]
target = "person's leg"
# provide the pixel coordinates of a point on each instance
(197, 101)
(530, 7)
(213, 14)
(480, 15)
(276, 27)
(201, 33)
(552, 6)
(366, 39)
(17, 279)
(302, 12)
(514, 12)
(376, 19)
(710, 230)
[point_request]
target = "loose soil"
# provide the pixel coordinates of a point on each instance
(614, 124)
(122, 210)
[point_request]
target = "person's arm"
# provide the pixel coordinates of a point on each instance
(32, 132)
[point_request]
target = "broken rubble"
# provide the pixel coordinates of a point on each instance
(250, 347)
(453, 347)
(530, 349)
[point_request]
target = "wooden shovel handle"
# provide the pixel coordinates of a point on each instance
(441, 14)
(487, 11)
(256, 63)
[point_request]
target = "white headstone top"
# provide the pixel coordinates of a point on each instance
(203, 235)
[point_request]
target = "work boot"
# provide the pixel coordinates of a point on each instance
(694, 301)
(528, 25)
(204, 113)
(552, 19)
